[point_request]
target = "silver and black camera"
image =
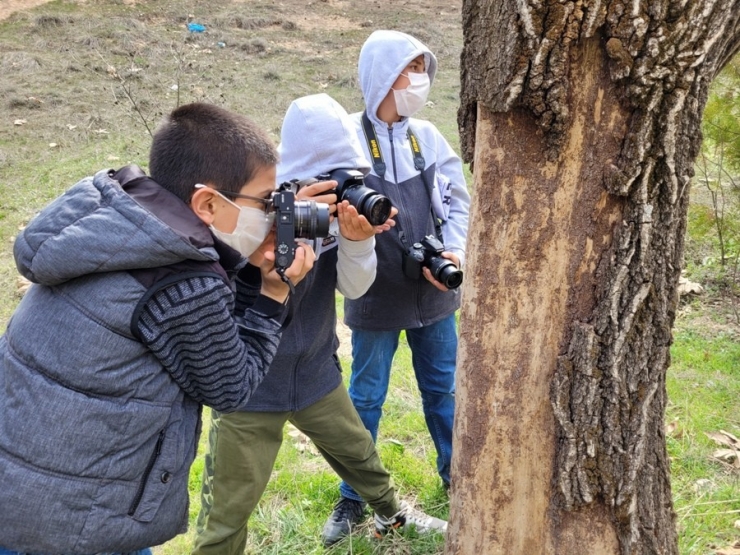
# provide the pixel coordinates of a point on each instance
(428, 253)
(351, 187)
(296, 219)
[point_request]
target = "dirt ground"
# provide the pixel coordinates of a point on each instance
(10, 6)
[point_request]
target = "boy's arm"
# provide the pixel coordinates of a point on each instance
(215, 358)
(356, 266)
(455, 230)
(248, 283)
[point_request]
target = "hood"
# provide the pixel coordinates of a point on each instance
(383, 57)
(97, 226)
(317, 137)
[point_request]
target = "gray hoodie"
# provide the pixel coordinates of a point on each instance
(316, 137)
(394, 301)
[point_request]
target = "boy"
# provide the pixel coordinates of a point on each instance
(128, 328)
(418, 170)
(316, 138)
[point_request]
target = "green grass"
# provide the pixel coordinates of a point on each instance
(704, 391)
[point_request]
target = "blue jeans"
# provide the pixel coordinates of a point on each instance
(147, 551)
(433, 354)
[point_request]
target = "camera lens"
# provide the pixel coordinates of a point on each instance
(376, 209)
(369, 203)
(311, 219)
(445, 272)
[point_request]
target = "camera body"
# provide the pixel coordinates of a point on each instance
(351, 187)
(428, 253)
(296, 219)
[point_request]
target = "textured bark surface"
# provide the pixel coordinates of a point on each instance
(583, 120)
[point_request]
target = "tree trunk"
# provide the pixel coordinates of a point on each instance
(583, 122)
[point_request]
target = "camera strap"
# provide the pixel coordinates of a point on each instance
(380, 167)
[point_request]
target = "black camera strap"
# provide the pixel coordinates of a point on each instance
(380, 167)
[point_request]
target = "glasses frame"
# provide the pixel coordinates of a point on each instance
(267, 203)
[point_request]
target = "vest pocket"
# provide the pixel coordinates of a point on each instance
(145, 479)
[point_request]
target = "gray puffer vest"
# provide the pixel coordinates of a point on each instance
(96, 439)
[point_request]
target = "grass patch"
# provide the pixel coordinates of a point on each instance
(704, 391)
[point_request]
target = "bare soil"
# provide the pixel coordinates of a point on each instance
(9, 7)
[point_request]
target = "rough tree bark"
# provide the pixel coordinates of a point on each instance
(583, 122)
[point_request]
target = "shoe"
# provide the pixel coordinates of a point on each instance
(407, 518)
(346, 514)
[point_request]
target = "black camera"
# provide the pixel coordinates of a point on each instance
(296, 219)
(428, 253)
(351, 187)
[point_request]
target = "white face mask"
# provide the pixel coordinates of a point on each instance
(412, 99)
(252, 226)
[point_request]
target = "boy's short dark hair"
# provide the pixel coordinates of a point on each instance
(203, 143)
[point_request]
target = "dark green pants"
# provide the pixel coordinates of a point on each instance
(241, 454)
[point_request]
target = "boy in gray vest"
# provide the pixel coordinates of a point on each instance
(422, 175)
(304, 385)
(129, 327)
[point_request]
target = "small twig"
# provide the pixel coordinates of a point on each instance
(714, 514)
(126, 89)
(689, 507)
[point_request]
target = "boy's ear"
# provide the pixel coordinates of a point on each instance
(203, 204)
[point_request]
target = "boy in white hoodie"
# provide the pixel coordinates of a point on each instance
(422, 175)
(304, 385)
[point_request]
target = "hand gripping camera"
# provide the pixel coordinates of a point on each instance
(351, 187)
(296, 219)
(428, 253)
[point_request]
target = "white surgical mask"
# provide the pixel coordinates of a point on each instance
(412, 99)
(252, 226)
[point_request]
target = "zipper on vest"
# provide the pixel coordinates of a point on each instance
(147, 472)
(404, 233)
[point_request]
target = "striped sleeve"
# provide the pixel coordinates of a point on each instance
(217, 359)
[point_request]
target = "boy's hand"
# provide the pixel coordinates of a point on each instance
(355, 227)
(318, 192)
(428, 273)
(352, 226)
(272, 284)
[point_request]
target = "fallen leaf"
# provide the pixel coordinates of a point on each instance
(301, 440)
(729, 456)
(672, 429)
(22, 285)
(702, 484)
(724, 438)
(686, 287)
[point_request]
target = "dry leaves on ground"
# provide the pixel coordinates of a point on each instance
(731, 550)
(301, 440)
(730, 454)
(22, 285)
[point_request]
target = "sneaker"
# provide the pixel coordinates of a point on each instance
(347, 513)
(408, 518)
